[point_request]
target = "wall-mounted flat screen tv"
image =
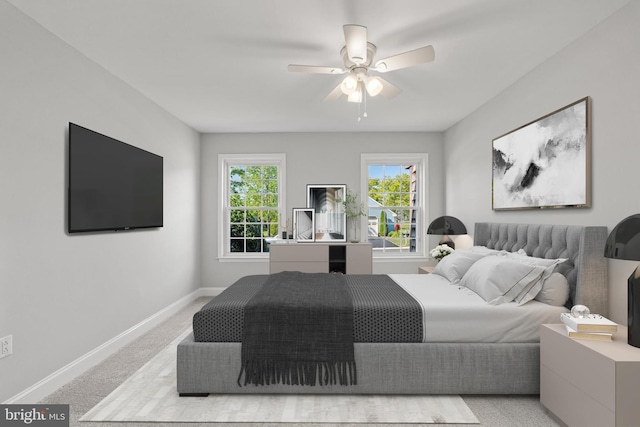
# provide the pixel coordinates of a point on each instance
(112, 185)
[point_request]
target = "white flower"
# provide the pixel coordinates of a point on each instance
(440, 251)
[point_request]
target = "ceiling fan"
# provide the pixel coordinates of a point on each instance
(357, 55)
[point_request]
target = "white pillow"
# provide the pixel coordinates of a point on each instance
(555, 290)
(500, 280)
(484, 250)
(550, 265)
(529, 292)
(532, 260)
(455, 265)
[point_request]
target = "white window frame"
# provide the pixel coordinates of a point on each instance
(421, 160)
(225, 161)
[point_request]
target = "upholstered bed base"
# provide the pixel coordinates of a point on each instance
(415, 368)
(434, 368)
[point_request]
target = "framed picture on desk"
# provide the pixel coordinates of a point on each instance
(330, 216)
(304, 224)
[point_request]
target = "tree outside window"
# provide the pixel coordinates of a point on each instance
(252, 203)
(253, 214)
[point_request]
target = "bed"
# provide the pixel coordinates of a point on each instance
(455, 360)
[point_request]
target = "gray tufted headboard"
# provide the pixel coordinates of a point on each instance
(586, 267)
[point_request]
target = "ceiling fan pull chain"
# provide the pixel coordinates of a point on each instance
(364, 94)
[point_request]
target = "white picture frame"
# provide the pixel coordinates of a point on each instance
(330, 216)
(304, 225)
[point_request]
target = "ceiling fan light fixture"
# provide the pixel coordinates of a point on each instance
(356, 96)
(358, 55)
(349, 84)
(374, 86)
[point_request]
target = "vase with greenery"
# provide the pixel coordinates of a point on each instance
(353, 211)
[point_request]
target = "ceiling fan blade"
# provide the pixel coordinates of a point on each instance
(389, 91)
(355, 37)
(334, 94)
(314, 69)
(407, 59)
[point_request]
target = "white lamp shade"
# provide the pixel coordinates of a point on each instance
(349, 84)
(374, 86)
(356, 96)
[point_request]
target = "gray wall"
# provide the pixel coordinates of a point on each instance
(312, 158)
(605, 65)
(62, 296)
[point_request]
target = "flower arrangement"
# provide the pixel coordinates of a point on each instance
(440, 251)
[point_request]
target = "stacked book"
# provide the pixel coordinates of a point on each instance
(591, 327)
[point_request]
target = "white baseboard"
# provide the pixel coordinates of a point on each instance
(62, 376)
(210, 292)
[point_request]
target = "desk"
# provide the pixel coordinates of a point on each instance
(349, 258)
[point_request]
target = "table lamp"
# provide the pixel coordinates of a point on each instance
(624, 243)
(447, 226)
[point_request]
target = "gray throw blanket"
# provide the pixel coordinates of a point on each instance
(298, 330)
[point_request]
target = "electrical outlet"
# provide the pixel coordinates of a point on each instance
(6, 346)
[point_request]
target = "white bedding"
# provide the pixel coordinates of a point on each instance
(453, 313)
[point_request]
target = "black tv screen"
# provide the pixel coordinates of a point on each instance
(112, 185)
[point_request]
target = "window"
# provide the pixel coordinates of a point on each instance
(252, 200)
(395, 187)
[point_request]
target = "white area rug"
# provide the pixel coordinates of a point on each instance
(150, 395)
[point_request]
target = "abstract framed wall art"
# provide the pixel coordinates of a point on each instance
(304, 224)
(330, 216)
(545, 163)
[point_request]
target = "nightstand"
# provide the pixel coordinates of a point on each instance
(589, 383)
(426, 269)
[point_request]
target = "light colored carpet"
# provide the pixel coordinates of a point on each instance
(150, 395)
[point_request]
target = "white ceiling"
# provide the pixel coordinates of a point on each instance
(221, 65)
